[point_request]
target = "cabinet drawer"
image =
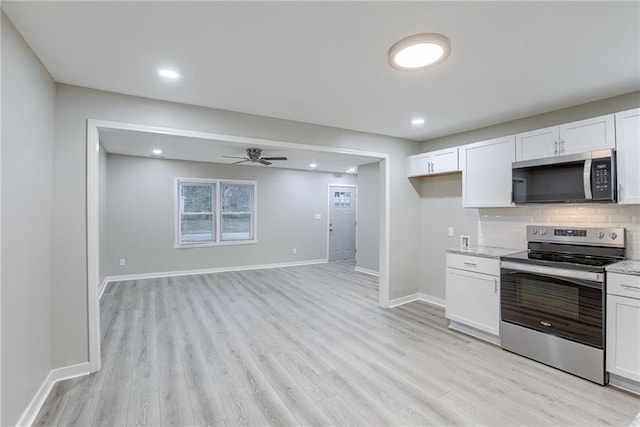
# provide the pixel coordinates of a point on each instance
(624, 285)
(474, 263)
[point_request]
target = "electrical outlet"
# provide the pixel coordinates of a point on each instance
(450, 232)
(123, 262)
(318, 216)
(295, 251)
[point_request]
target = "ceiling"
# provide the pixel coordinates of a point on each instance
(326, 62)
(132, 143)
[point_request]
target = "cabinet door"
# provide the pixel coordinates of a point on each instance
(444, 161)
(628, 156)
(537, 144)
(473, 299)
(593, 134)
(418, 165)
(486, 173)
(623, 337)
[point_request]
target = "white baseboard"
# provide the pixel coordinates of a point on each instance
(161, 274)
(418, 296)
(624, 383)
(55, 375)
(367, 271)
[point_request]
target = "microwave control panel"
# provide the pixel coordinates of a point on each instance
(602, 184)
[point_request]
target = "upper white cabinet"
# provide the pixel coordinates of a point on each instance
(486, 173)
(628, 156)
(593, 134)
(434, 162)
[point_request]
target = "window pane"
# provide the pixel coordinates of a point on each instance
(197, 197)
(237, 212)
(197, 228)
(197, 212)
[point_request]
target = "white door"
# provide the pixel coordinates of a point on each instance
(342, 223)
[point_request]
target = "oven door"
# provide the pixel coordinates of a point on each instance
(562, 302)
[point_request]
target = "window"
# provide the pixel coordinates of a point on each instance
(211, 212)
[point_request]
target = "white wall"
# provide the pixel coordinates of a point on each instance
(369, 205)
(75, 105)
(140, 215)
(505, 227)
(28, 94)
(102, 220)
(441, 208)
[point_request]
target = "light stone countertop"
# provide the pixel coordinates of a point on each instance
(628, 266)
(484, 251)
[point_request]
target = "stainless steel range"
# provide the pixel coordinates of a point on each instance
(553, 297)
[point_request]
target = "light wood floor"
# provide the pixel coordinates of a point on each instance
(308, 346)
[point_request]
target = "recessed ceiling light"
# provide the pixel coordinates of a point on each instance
(417, 122)
(156, 151)
(419, 51)
(313, 165)
(351, 170)
(167, 73)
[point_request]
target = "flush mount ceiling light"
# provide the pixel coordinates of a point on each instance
(168, 74)
(156, 151)
(313, 165)
(351, 170)
(419, 51)
(417, 121)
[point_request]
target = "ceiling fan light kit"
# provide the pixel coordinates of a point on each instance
(254, 155)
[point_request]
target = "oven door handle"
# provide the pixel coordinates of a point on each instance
(558, 273)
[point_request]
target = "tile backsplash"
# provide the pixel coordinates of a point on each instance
(506, 227)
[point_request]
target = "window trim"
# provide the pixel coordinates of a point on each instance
(218, 213)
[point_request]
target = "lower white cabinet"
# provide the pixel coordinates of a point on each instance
(623, 325)
(473, 293)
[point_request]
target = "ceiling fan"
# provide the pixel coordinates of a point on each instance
(254, 155)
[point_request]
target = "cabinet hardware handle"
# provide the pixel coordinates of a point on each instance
(620, 198)
(471, 264)
(543, 323)
(495, 286)
(561, 146)
(555, 145)
(630, 287)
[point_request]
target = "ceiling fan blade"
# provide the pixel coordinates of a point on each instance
(233, 157)
(264, 162)
(274, 158)
(241, 161)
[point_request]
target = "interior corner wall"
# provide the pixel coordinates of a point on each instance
(74, 105)
(368, 239)
(441, 208)
(28, 101)
(141, 220)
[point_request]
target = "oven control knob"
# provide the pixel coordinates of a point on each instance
(534, 231)
(600, 234)
(543, 232)
(613, 235)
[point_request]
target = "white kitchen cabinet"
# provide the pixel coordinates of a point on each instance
(473, 295)
(623, 325)
(597, 133)
(486, 173)
(628, 156)
(434, 162)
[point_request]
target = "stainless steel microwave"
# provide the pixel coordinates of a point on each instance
(577, 178)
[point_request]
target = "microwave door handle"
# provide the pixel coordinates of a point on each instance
(586, 179)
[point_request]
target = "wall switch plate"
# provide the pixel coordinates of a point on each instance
(450, 232)
(295, 251)
(318, 216)
(123, 261)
